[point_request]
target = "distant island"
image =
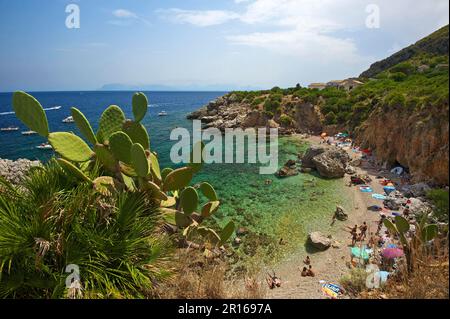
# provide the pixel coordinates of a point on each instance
(172, 88)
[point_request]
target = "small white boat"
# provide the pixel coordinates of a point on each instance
(162, 113)
(68, 119)
(27, 133)
(44, 146)
(9, 129)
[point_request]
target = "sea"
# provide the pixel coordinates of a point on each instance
(272, 209)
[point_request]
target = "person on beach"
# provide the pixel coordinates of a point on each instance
(273, 281)
(354, 238)
(363, 229)
(310, 272)
(304, 272)
(380, 224)
(307, 261)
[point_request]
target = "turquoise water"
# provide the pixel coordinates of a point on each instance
(286, 208)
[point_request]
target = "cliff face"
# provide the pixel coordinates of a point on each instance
(418, 141)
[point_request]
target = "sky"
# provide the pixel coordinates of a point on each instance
(203, 44)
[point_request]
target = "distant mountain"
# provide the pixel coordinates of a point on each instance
(436, 44)
(158, 87)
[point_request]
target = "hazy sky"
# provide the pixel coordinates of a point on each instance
(259, 43)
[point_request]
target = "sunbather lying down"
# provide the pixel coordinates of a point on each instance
(273, 281)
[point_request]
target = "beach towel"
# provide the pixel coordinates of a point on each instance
(379, 196)
(366, 189)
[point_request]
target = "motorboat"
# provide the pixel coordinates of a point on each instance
(44, 146)
(27, 133)
(68, 119)
(162, 113)
(9, 129)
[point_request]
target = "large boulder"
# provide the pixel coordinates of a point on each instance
(312, 152)
(331, 163)
(319, 241)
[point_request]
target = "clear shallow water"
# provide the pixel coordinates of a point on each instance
(287, 208)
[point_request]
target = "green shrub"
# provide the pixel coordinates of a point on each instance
(440, 199)
(355, 281)
(330, 118)
(398, 76)
(404, 67)
(286, 120)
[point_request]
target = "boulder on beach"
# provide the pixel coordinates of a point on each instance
(319, 241)
(330, 162)
(312, 152)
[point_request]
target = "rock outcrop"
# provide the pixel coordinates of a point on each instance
(330, 162)
(15, 171)
(319, 241)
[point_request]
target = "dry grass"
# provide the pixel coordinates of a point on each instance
(198, 277)
(427, 278)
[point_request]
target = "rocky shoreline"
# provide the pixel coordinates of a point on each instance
(15, 171)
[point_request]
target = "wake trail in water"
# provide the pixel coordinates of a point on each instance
(53, 108)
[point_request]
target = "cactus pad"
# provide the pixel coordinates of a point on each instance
(139, 160)
(71, 169)
(210, 208)
(70, 146)
(120, 145)
(105, 157)
(189, 200)
(166, 172)
(156, 171)
(177, 179)
(208, 191)
(137, 133)
(30, 112)
(226, 233)
(111, 121)
(104, 185)
(140, 105)
(83, 125)
(155, 191)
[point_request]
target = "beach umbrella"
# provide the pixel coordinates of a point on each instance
(331, 290)
(362, 253)
(388, 189)
(392, 253)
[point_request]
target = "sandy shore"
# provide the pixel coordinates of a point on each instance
(331, 264)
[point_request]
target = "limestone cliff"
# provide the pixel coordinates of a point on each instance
(418, 141)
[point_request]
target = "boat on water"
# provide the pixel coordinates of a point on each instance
(68, 119)
(162, 113)
(44, 146)
(9, 129)
(27, 133)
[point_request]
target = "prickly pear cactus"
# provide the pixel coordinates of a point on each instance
(139, 160)
(111, 121)
(189, 200)
(226, 233)
(208, 191)
(137, 133)
(105, 157)
(140, 105)
(70, 146)
(120, 145)
(83, 125)
(30, 112)
(177, 179)
(71, 169)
